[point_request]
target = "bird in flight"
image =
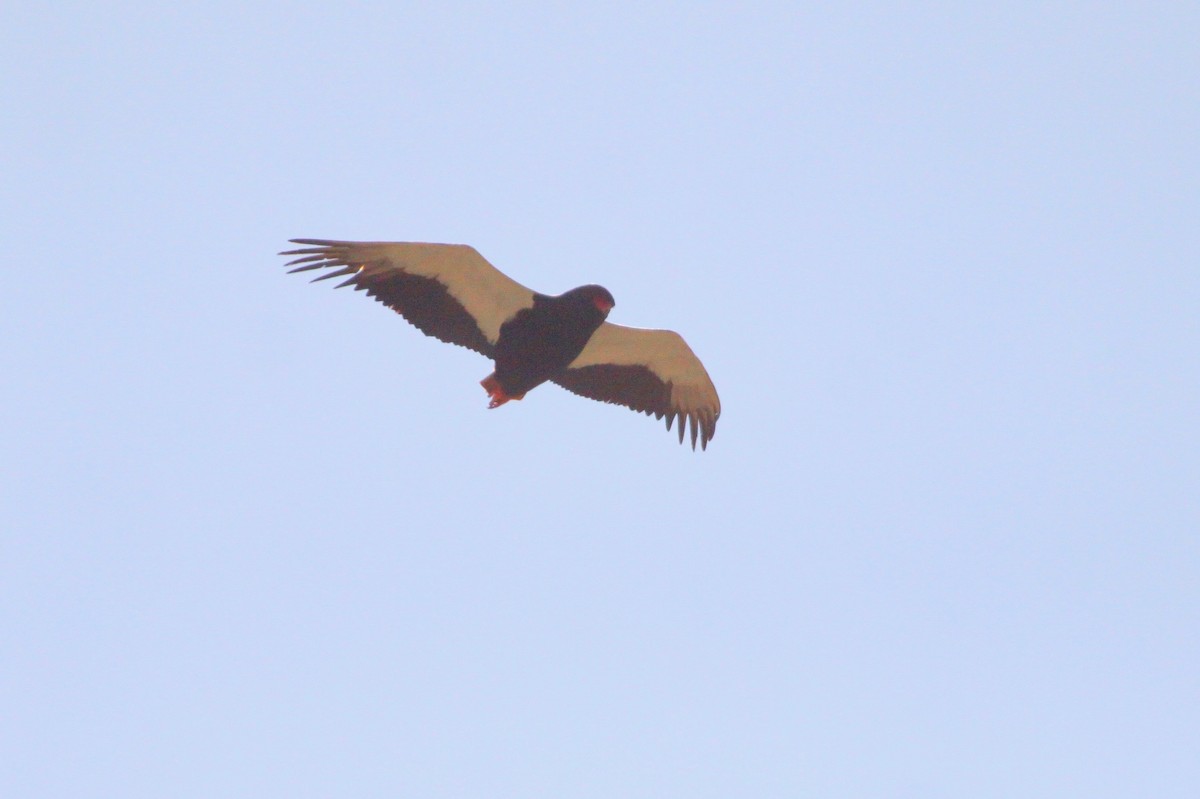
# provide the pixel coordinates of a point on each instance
(450, 292)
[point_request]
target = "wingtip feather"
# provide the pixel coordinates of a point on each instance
(306, 259)
(322, 243)
(347, 270)
(305, 251)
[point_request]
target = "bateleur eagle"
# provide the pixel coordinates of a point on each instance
(450, 292)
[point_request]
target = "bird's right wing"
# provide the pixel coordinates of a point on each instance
(651, 371)
(448, 291)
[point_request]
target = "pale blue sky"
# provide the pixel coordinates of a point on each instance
(262, 539)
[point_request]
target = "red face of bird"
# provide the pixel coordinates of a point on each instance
(603, 301)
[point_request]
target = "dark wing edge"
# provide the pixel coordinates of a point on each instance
(425, 302)
(638, 388)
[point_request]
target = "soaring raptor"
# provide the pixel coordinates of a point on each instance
(450, 292)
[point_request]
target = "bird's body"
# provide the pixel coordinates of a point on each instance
(539, 342)
(452, 293)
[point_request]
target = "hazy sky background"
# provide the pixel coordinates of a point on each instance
(262, 539)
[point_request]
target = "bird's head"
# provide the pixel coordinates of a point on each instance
(598, 296)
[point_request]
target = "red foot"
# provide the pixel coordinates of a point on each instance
(498, 396)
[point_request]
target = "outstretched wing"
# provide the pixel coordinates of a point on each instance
(448, 291)
(651, 371)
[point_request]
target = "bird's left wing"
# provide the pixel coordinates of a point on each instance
(448, 291)
(651, 371)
